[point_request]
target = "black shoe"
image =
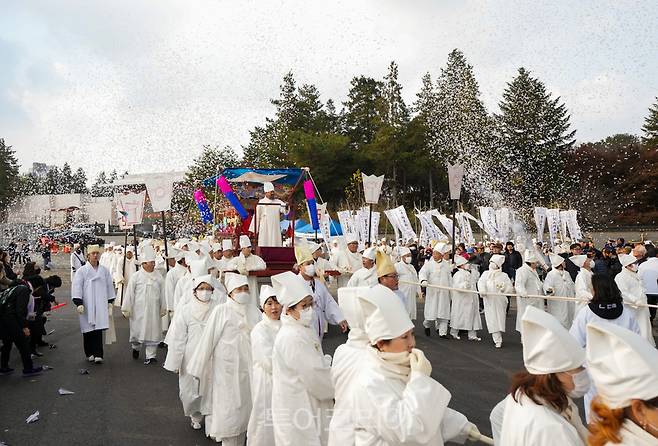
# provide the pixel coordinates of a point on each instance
(427, 332)
(34, 371)
(42, 344)
(445, 336)
(36, 353)
(135, 354)
(150, 361)
(6, 371)
(162, 345)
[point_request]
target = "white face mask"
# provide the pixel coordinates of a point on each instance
(242, 297)
(203, 295)
(309, 270)
(591, 263)
(406, 259)
(633, 267)
(581, 384)
(306, 316)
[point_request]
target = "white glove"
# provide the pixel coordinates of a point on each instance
(423, 283)
(126, 314)
(474, 432)
(327, 360)
(80, 309)
(419, 362)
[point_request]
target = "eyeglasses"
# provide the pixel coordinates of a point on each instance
(392, 276)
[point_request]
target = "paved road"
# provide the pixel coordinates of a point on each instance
(124, 402)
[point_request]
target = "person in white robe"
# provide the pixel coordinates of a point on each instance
(77, 260)
(92, 293)
(388, 277)
(107, 257)
(632, 291)
(228, 261)
(465, 309)
(170, 264)
(583, 282)
(302, 391)
(437, 271)
(171, 280)
(407, 273)
(248, 261)
(184, 284)
(260, 431)
(393, 398)
(624, 369)
(122, 275)
(527, 283)
(606, 305)
(345, 367)
(325, 307)
(183, 339)
(492, 283)
(266, 221)
(347, 261)
(222, 362)
(198, 268)
(558, 283)
(540, 410)
(144, 305)
(367, 275)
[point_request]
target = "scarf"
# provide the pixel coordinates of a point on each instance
(393, 365)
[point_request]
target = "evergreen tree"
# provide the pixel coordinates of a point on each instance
(425, 99)
(100, 187)
(535, 134)
(396, 113)
(212, 160)
(364, 110)
(650, 126)
(53, 181)
(459, 127)
(79, 182)
(8, 176)
(66, 180)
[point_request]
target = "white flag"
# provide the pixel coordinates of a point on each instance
(372, 187)
(130, 208)
(160, 189)
(540, 221)
(455, 177)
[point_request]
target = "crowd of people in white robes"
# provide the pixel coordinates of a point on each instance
(252, 369)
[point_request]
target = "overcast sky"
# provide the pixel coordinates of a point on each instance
(140, 85)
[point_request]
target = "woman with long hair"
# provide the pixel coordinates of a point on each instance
(539, 409)
(624, 368)
(606, 305)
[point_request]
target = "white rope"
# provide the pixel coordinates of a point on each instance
(529, 296)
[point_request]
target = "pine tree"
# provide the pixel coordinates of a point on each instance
(425, 99)
(535, 134)
(80, 181)
(8, 176)
(396, 113)
(364, 110)
(53, 181)
(460, 129)
(66, 180)
(100, 187)
(650, 126)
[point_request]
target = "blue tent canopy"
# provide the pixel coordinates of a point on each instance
(306, 228)
(291, 177)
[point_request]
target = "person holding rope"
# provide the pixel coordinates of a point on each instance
(539, 409)
(606, 305)
(493, 284)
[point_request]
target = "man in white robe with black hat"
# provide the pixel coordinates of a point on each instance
(267, 219)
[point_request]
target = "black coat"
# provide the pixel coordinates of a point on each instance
(513, 261)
